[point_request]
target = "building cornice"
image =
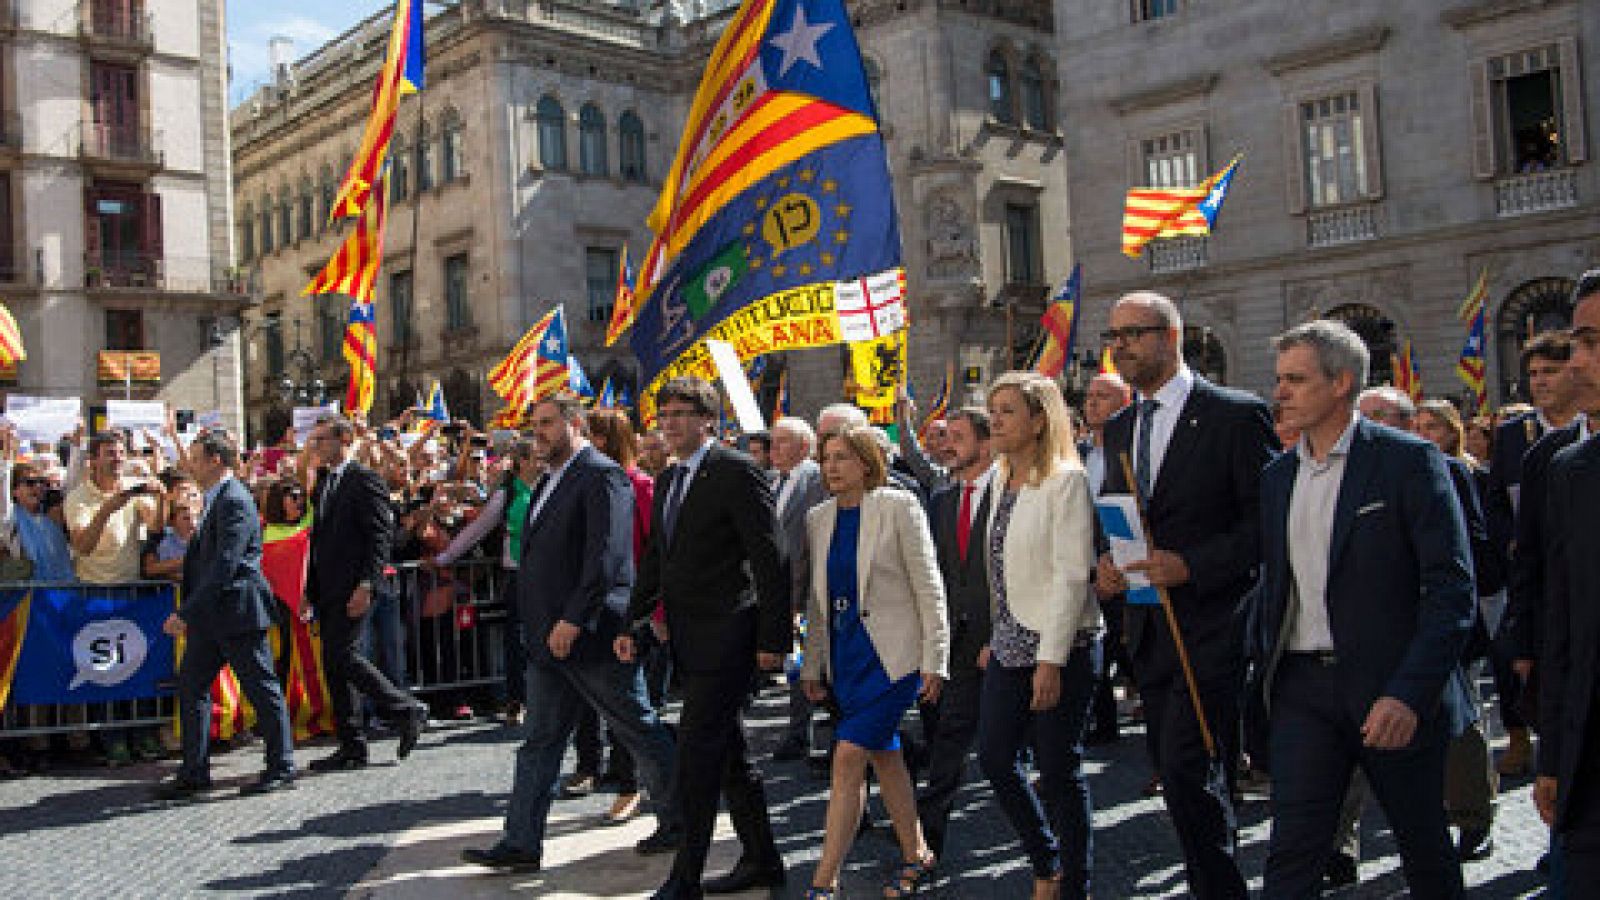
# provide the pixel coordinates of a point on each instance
(1360, 42)
(1165, 94)
(1483, 11)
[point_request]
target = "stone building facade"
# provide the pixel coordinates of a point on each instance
(1392, 151)
(544, 133)
(115, 202)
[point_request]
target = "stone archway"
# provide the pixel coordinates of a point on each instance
(1377, 331)
(1540, 305)
(1204, 353)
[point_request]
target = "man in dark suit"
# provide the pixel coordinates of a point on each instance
(350, 538)
(959, 520)
(1197, 451)
(714, 563)
(1365, 603)
(797, 486)
(224, 615)
(572, 589)
(1567, 791)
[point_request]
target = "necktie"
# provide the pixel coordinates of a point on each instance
(1141, 463)
(777, 490)
(964, 521)
(327, 490)
(675, 500)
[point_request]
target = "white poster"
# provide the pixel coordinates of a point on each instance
(738, 386)
(43, 419)
(305, 419)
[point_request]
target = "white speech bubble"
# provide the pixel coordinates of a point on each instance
(107, 652)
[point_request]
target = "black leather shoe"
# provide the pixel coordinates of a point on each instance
(411, 729)
(677, 889)
(268, 783)
(1475, 845)
(662, 840)
(343, 760)
(501, 858)
(1341, 872)
(178, 788)
(746, 875)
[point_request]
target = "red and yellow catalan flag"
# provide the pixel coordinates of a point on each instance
(1407, 374)
(1060, 325)
(14, 606)
(537, 366)
(402, 74)
(361, 352)
(622, 306)
(11, 349)
(1151, 213)
(353, 268)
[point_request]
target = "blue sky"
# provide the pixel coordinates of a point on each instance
(310, 23)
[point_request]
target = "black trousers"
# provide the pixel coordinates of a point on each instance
(350, 675)
(1204, 820)
(951, 726)
(251, 661)
(713, 761)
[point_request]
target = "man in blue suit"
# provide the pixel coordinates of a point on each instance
(572, 588)
(1365, 603)
(224, 614)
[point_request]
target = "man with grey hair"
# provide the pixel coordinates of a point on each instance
(836, 416)
(1195, 452)
(798, 487)
(1364, 604)
(1388, 405)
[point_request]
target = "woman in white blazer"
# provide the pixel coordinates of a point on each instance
(1044, 653)
(877, 641)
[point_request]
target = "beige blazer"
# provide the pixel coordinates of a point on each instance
(897, 581)
(1049, 555)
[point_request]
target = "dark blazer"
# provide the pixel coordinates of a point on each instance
(720, 576)
(1523, 626)
(350, 535)
(966, 584)
(1205, 507)
(1513, 439)
(1488, 563)
(224, 592)
(1400, 595)
(577, 556)
(1572, 624)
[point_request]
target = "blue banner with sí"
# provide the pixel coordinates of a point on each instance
(88, 643)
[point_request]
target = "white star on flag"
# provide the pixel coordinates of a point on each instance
(552, 345)
(800, 41)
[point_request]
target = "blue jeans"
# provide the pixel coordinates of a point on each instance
(557, 691)
(1053, 825)
(384, 639)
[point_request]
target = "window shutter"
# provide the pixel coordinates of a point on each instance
(91, 232)
(1572, 124)
(1295, 153)
(1484, 164)
(150, 231)
(1371, 141)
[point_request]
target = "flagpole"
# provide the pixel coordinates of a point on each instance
(416, 215)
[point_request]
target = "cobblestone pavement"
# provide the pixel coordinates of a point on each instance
(396, 829)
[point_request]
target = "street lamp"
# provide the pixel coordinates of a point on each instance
(309, 389)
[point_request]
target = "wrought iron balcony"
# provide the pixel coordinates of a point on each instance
(1536, 192)
(1341, 225)
(132, 145)
(1177, 255)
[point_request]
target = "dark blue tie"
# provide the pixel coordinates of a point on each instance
(1141, 462)
(669, 515)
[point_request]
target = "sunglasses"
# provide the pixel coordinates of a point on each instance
(1130, 333)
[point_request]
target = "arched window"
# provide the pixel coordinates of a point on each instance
(1376, 331)
(552, 121)
(424, 158)
(399, 169)
(1002, 105)
(874, 84)
(308, 205)
(1035, 108)
(329, 188)
(247, 233)
(591, 140)
(1540, 305)
(630, 133)
(266, 224)
(452, 164)
(285, 216)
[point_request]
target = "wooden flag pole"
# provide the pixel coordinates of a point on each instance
(1172, 621)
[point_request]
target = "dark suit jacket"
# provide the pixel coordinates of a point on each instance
(1572, 625)
(350, 535)
(1512, 441)
(1205, 507)
(1400, 595)
(224, 592)
(577, 557)
(966, 584)
(1522, 629)
(1488, 565)
(720, 576)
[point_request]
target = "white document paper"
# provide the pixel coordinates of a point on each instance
(1124, 530)
(43, 420)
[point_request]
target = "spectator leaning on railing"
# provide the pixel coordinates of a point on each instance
(32, 530)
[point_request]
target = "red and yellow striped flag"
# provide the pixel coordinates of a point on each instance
(537, 366)
(11, 349)
(353, 268)
(361, 352)
(622, 305)
(1151, 213)
(401, 75)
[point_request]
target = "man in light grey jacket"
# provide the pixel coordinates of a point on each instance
(797, 487)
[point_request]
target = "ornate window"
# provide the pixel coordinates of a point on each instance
(591, 140)
(1002, 101)
(424, 158)
(1035, 99)
(399, 169)
(285, 216)
(457, 303)
(266, 224)
(600, 281)
(451, 159)
(247, 233)
(329, 189)
(630, 135)
(552, 121)
(307, 212)
(1540, 305)
(1022, 245)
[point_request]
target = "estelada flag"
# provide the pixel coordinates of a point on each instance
(402, 74)
(537, 366)
(361, 352)
(1151, 213)
(622, 309)
(1060, 324)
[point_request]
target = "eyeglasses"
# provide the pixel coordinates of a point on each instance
(1129, 333)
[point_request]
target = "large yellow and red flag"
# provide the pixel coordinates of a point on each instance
(402, 74)
(537, 365)
(622, 305)
(1060, 325)
(1151, 213)
(361, 352)
(11, 349)
(353, 268)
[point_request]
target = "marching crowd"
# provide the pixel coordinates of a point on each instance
(1326, 581)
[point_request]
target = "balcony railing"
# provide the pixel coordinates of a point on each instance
(114, 23)
(1177, 255)
(128, 366)
(1535, 192)
(130, 144)
(166, 274)
(1342, 225)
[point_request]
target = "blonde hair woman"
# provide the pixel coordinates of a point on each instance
(879, 637)
(1044, 655)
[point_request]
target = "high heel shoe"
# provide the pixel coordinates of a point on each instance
(911, 878)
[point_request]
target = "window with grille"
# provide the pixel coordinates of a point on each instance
(552, 122)
(1172, 160)
(1022, 244)
(1335, 141)
(1146, 10)
(630, 135)
(600, 280)
(591, 140)
(1002, 105)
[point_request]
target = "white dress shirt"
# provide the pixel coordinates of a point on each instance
(1311, 507)
(1094, 463)
(1170, 400)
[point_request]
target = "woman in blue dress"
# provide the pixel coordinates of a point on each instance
(878, 642)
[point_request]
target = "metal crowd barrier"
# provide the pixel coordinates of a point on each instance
(22, 720)
(455, 624)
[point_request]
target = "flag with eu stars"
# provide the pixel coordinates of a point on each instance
(780, 181)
